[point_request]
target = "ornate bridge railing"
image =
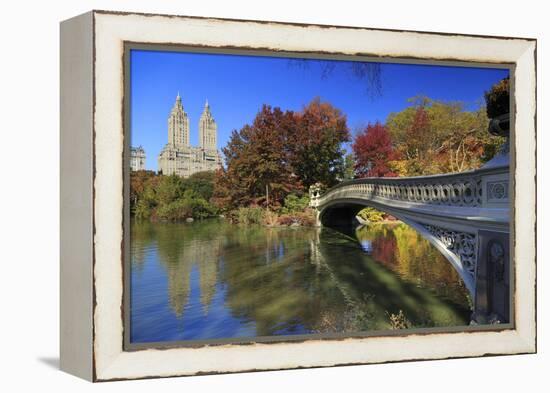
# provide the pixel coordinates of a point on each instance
(483, 188)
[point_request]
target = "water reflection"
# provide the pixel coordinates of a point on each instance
(211, 279)
(366, 245)
(404, 251)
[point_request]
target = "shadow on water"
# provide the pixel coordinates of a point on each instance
(386, 289)
(212, 279)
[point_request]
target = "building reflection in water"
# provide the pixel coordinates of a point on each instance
(180, 249)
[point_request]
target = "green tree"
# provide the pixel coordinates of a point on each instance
(294, 203)
(202, 183)
(172, 198)
(169, 189)
(317, 155)
(349, 167)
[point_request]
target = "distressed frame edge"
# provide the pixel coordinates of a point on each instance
(528, 340)
(76, 196)
(525, 179)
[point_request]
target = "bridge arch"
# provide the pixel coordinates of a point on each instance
(466, 216)
(342, 213)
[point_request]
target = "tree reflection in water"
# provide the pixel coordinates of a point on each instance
(256, 281)
(403, 250)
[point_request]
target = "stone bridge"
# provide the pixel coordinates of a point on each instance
(466, 216)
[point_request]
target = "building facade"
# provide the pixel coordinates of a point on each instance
(178, 156)
(137, 159)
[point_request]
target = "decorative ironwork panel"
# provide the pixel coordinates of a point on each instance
(497, 191)
(463, 245)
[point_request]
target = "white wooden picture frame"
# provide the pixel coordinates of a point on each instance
(92, 200)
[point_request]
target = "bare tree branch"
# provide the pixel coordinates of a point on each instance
(368, 72)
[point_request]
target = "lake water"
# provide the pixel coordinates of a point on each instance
(211, 279)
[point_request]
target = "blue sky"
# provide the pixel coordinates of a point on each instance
(236, 86)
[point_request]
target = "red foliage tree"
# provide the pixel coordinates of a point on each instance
(373, 151)
(257, 162)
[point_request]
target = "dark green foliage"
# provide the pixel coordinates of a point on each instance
(294, 203)
(172, 198)
(202, 183)
(349, 167)
(498, 99)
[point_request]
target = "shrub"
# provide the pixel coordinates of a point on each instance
(294, 203)
(306, 219)
(250, 215)
(176, 210)
(271, 218)
(370, 214)
(399, 321)
(186, 207)
(286, 219)
(142, 210)
(200, 208)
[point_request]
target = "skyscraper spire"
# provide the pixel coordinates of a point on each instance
(178, 125)
(178, 156)
(207, 129)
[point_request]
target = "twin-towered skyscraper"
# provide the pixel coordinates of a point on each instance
(178, 156)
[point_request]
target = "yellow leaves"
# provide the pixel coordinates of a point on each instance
(400, 167)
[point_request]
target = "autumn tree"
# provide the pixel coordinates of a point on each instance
(138, 182)
(282, 153)
(258, 162)
(374, 152)
(440, 137)
(315, 145)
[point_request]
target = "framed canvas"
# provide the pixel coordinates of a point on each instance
(248, 195)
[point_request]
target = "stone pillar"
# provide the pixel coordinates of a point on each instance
(492, 299)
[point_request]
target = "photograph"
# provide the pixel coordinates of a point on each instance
(276, 196)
